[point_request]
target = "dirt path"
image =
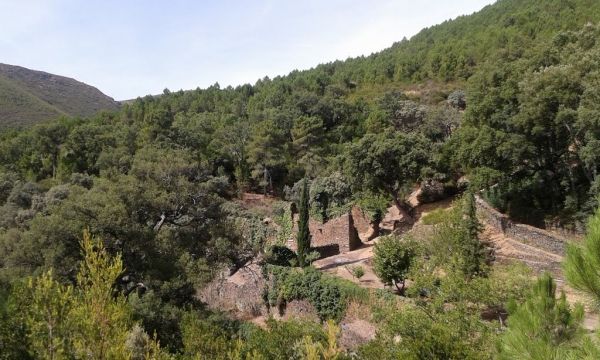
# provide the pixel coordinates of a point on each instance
(506, 250)
(341, 264)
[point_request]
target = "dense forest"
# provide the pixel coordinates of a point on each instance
(109, 225)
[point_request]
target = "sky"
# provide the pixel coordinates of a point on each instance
(131, 48)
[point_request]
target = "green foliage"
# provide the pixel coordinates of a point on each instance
(283, 340)
(203, 338)
(392, 259)
(283, 218)
(90, 319)
(457, 233)
(543, 327)
(435, 217)
(328, 351)
(582, 263)
(329, 295)
(472, 249)
(375, 206)
(156, 180)
(357, 271)
(417, 333)
(387, 163)
(13, 340)
(303, 236)
(528, 128)
(280, 256)
(50, 326)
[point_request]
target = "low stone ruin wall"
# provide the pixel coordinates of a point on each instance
(527, 234)
(361, 220)
(333, 237)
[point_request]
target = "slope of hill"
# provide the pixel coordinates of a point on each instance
(507, 97)
(28, 97)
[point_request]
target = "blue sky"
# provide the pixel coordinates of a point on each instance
(131, 48)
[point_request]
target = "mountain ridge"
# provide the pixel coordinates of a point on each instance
(31, 96)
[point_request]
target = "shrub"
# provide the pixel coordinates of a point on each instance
(329, 295)
(543, 327)
(392, 260)
(457, 99)
(357, 271)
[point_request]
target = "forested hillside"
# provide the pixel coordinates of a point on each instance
(28, 97)
(505, 100)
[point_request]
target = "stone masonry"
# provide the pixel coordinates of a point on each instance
(336, 236)
(527, 234)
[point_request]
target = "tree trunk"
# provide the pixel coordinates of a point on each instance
(401, 289)
(405, 209)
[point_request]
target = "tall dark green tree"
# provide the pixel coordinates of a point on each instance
(303, 238)
(473, 250)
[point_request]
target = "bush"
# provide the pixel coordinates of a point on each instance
(543, 327)
(417, 334)
(392, 260)
(357, 271)
(374, 206)
(327, 294)
(457, 99)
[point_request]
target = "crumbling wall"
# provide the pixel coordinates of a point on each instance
(527, 234)
(362, 223)
(338, 235)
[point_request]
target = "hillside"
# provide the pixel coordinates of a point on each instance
(454, 50)
(173, 193)
(28, 97)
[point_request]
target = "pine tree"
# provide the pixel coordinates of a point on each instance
(303, 238)
(50, 329)
(543, 327)
(582, 263)
(90, 320)
(103, 317)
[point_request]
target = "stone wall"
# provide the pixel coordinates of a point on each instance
(361, 220)
(333, 237)
(527, 234)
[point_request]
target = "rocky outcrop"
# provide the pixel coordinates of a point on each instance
(239, 294)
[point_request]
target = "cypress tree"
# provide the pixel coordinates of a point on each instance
(473, 250)
(303, 237)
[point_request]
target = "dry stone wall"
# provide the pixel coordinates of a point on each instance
(361, 220)
(527, 234)
(332, 237)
